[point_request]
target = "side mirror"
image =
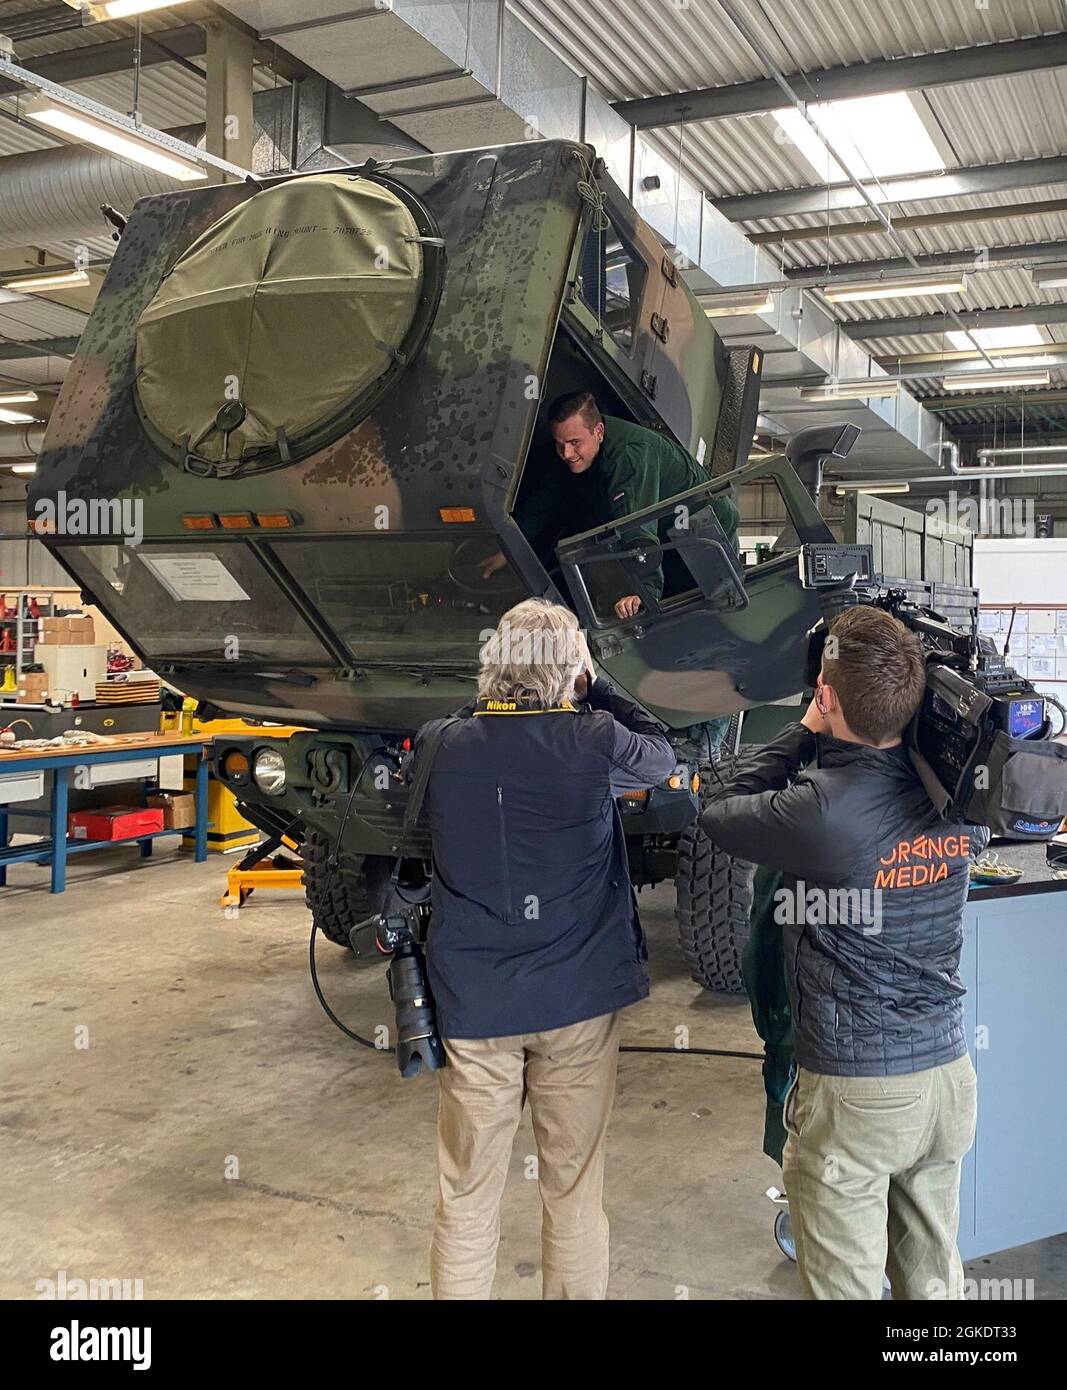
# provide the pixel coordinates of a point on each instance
(809, 449)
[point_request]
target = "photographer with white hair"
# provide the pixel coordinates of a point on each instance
(534, 944)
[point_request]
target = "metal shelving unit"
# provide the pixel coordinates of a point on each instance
(24, 626)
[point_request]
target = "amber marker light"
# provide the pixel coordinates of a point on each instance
(235, 765)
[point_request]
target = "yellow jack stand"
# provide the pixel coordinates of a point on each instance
(263, 867)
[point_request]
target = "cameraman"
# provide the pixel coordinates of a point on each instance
(534, 944)
(883, 1104)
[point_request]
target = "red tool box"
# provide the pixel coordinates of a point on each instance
(114, 822)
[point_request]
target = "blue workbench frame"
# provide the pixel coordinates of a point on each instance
(57, 847)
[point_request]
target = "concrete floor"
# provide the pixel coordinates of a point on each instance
(218, 1138)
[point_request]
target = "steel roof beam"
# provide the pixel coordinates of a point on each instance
(37, 347)
(957, 217)
(954, 183)
(1033, 251)
(1024, 401)
(101, 59)
(908, 324)
(858, 80)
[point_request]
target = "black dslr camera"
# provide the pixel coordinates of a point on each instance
(401, 933)
(980, 740)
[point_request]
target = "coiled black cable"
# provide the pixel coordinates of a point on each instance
(331, 864)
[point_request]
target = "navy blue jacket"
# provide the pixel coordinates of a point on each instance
(534, 922)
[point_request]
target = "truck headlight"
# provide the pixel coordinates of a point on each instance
(268, 771)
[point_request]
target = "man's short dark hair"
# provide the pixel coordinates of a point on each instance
(581, 403)
(877, 672)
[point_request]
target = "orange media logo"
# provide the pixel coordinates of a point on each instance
(922, 861)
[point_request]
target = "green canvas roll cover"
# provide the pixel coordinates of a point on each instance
(280, 316)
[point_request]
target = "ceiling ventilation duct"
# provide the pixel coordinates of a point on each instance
(54, 195)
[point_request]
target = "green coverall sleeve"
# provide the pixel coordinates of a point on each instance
(634, 485)
(540, 516)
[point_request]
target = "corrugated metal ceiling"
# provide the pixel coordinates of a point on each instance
(645, 47)
(33, 371)
(80, 35)
(170, 94)
(39, 318)
(951, 236)
(634, 48)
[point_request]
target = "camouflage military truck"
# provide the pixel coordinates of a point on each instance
(322, 395)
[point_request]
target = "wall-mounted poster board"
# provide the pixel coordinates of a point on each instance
(1029, 577)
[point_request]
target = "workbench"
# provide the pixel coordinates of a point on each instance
(58, 761)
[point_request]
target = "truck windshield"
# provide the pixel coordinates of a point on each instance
(202, 600)
(389, 599)
(404, 598)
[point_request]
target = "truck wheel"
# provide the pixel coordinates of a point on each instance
(354, 891)
(713, 904)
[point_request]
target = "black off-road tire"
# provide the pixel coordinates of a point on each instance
(713, 904)
(354, 891)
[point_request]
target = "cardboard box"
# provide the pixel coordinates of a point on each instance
(58, 632)
(73, 670)
(32, 688)
(114, 822)
(179, 809)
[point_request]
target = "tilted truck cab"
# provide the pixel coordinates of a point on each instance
(322, 394)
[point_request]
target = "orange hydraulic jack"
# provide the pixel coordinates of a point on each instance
(263, 867)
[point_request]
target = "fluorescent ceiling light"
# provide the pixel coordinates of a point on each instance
(950, 283)
(1024, 449)
(45, 279)
(851, 390)
(1050, 277)
(878, 136)
(78, 126)
(733, 302)
(1024, 335)
(15, 417)
(842, 488)
(102, 10)
(17, 397)
(24, 468)
(992, 339)
(976, 381)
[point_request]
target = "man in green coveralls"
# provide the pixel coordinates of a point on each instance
(610, 469)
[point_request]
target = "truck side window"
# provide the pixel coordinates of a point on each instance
(613, 279)
(764, 530)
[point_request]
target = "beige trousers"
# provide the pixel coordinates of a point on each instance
(569, 1076)
(872, 1172)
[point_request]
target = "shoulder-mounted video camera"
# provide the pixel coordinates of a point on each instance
(981, 739)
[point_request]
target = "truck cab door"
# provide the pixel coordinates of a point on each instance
(721, 636)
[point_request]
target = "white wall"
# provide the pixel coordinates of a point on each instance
(1021, 571)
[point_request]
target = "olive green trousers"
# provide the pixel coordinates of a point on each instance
(872, 1171)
